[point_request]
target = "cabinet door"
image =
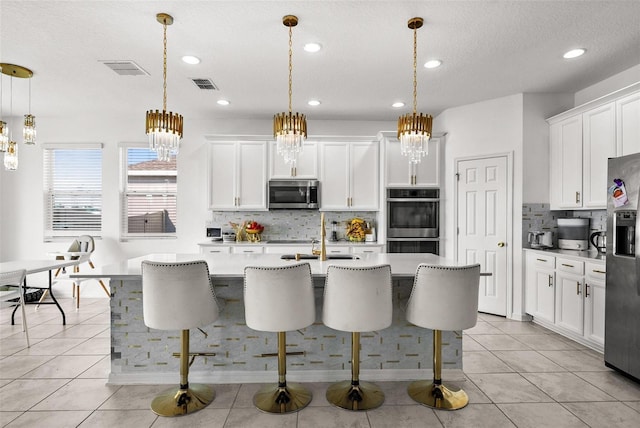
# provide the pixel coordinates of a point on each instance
(240, 249)
(366, 249)
(545, 295)
(628, 124)
(569, 302)
(215, 249)
(594, 302)
(307, 166)
(364, 168)
(598, 144)
(400, 173)
(334, 176)
(334, 249)
(566, 163)
(222, 176)
(252, 175)
(427, 172)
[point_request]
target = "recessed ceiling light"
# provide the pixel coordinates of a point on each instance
(397, 105)
(312, 47)
(574, 53)
(223, 102)
(433, 63)
(314, 103)
(190, 59)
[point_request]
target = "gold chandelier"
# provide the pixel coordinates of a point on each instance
(164, 128)
(7, 145)
(414, 130)
(290, 129)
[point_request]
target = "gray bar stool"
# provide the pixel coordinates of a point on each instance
(357, 299)
(280, 299)
(179, 296)
(442, 298)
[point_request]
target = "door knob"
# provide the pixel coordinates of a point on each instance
(500, 244)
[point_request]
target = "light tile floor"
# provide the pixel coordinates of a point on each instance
(517, 374)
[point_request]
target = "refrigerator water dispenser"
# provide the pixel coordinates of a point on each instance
(624, 233)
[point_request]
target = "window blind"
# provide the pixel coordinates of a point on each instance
(149, 206)
(73, 190)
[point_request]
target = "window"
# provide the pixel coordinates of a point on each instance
(72, 189)
(149, 194)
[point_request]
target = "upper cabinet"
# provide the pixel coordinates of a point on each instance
(398, 171)
(238, 175)
(581, 141)
(349, 175)
(628, 124)
(307, 165)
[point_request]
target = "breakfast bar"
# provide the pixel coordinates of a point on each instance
(233, 353)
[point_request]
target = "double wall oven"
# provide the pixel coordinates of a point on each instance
(413, 221)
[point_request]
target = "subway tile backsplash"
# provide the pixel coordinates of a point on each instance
(540, 217)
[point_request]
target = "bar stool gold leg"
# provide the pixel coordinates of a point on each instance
(353, 394)
(187, 398)
(433, 393)
(283, 398)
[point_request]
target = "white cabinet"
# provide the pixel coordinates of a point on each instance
(215, 249)
(349, 176)
(628, 124)
(247, 249)
(400, 173)
(580, 147)
(366, 249)
(287, 249)
(540, 291)
(594, 301)
(568, 298)
(306, 167)
(238, 175)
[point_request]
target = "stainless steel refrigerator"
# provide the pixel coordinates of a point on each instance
(622, 307)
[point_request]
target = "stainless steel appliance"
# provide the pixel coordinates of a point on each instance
(293, 194)
(413, 221)
(539, 239)
(622, 307)
(599, 241)
(573, 233)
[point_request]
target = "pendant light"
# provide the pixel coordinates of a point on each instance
(290, 129)
(11, 155)
(164, 128)
(10, 147)
(29, 128)
(414, 130)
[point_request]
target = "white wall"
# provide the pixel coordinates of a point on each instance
(606, 86)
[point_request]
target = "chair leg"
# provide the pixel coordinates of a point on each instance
(433, 393)
(354, 394)
(24, 316)
(76, 291)
(187, 398)
(283, 398)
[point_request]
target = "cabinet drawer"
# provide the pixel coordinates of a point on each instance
(366, 250)
(570, 266)
(248, 250)
(335, 250)
(595, 270)
(543, 261)
(217, 250)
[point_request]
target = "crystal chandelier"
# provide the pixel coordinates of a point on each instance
(290, 129)
(164, 128)
(29, 129)
(7, 145)
(414, 130)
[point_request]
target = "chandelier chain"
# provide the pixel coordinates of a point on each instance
(415, 73)
(290, 67)
(164, 67)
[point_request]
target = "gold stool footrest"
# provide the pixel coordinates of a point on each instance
(437, 396)
(282, 399)
(363, 396)
(177, 402)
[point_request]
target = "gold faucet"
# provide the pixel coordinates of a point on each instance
(322, 252)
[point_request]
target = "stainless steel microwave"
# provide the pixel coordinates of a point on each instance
(293, 194)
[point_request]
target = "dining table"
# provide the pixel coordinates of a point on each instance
(37, 266)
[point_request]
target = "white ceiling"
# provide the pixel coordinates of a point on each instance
(488, 49)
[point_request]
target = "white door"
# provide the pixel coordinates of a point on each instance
(482, 226)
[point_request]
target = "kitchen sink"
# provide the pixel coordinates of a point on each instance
(314, 257)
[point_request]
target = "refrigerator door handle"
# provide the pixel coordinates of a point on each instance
(637, 245)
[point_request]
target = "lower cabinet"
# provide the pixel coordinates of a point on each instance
(567, 296)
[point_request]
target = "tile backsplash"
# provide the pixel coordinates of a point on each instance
(540, 217)
(292, 224)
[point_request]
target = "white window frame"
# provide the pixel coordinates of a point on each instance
(125, 235)
(49, 191)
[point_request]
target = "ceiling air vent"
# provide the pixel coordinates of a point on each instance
(205, 84)
(125, 68)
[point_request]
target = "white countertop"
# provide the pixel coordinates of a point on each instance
(232, 265)
(592, 256)
(287, 244)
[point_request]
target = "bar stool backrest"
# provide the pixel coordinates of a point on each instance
(357, 299)
(177, 296)
(279, 298)
(444, 297)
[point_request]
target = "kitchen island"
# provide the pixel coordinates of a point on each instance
(140, 355)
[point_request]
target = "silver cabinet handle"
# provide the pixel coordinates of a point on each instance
(599, 271)
(586, 290)
(578, 288)
(550, 281)
(577, 197)
(567, 265)
(541, 260)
